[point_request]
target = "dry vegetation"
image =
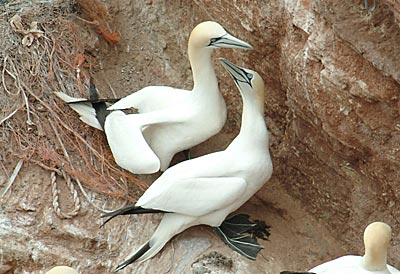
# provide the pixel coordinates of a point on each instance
(43, 52)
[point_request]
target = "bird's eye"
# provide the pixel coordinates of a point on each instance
(249, 76)
(213, 40)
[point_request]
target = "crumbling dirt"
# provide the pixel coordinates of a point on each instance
(327, 183)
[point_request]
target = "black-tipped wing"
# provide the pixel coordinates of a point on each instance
(136, 256)
(193, 196)
(128, 210)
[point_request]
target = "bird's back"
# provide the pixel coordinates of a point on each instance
(200, 122)
(350, 264)
(152, 98)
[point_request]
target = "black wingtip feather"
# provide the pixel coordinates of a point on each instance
(93, 94)
(128, 210)
(132, 259)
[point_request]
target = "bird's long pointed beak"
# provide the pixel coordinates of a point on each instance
(238, 74)
(229, 41)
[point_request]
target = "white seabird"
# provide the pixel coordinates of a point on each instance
(205, 190)
(376, 241)
(171, 119)
(62, 270)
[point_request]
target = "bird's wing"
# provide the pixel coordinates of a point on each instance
(193, 196)
(150, 98)
(68, 99)
(128, 145)
(83, 108)
(167, 115)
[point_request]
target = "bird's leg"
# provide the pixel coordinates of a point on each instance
(241, 223)
(260, 230)
(245, 245)
(241, 234)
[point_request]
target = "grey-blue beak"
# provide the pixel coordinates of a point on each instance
(229, 41)
(238, 74)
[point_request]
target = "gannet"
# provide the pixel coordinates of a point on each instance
(206, 189)
(170, 120)
(62, 270)
(376, 241)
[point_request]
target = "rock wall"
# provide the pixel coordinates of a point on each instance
(343, 88)
(332, 74)
(333, 85)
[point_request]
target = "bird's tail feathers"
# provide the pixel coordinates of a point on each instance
(170, 225)
(142, 250)
(83, 107)
(143, 253)
(69, 99)
(155, 247)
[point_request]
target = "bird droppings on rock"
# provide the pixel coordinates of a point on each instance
(213, 262)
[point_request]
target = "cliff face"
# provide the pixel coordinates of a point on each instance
(340, 73)
(332, 75)
(332, 72)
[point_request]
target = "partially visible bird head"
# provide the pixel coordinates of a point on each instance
(62, 270)
(377, 237)
(247, 81)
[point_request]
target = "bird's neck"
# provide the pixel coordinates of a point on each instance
(253, 131)
(374, 260)
(204, 78)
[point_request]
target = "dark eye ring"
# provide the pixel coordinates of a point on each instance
(213, 40)
(249, 76)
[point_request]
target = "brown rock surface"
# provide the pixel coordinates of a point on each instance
(332, 77)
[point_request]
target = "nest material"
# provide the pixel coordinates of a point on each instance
(42, 51)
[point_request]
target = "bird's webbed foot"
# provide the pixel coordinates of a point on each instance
(240, 234)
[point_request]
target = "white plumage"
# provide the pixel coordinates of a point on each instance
(376, 240)
(62, 270)
(206, 189)
(180, 118)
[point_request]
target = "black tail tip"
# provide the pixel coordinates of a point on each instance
(135, 257)
(93, 94)
(120, 267)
